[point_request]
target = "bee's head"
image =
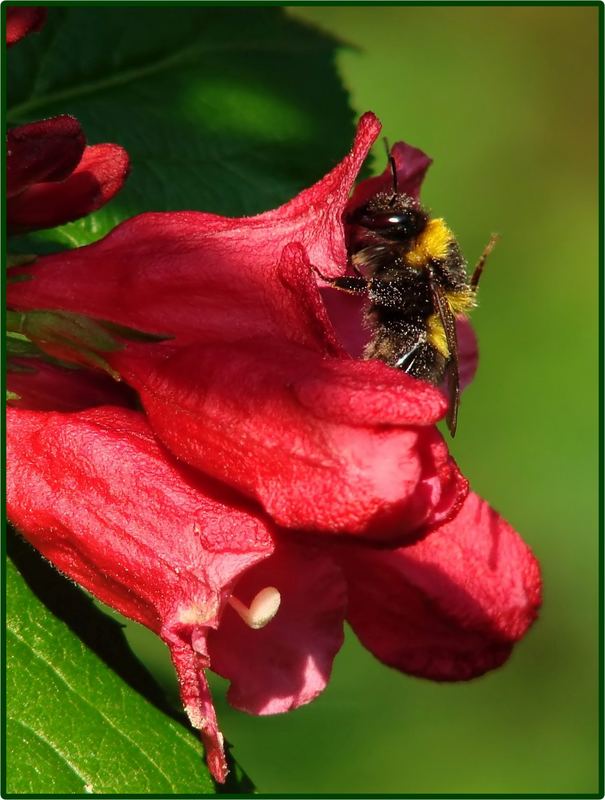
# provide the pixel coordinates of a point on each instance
(391, 216)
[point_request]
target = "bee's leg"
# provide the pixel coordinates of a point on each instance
(483, 258)
(348, 284)
(321, 275)
(356, 285)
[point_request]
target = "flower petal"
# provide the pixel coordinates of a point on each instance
(48, 150)
(203, 299)
(97, 496)
(182, 274)
(324, 444)
(451, 606)
(99, 175)
(411, 165)
(288, 662)
(346, 314)
(314, 217)
(21, 20)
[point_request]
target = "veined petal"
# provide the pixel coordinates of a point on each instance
(346, 314)
(324, 444)
(315, 216)
(451, 606)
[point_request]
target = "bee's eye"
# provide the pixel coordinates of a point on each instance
(389, 223)
(380, 221)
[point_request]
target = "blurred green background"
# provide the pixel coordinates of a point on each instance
(505, 101)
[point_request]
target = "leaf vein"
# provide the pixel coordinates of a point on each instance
(53, 746)
(111, 724)
(17, 112)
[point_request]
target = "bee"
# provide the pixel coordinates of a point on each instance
(410, 268)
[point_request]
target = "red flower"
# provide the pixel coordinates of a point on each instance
(97, 496)
(256, 389)
(162, 544)
(52, 177)
(335, 445)
(21, 20)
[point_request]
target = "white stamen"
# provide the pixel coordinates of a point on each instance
(262, 609)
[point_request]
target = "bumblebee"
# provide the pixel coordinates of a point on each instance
(410, 267)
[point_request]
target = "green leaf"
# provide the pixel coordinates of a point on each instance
(227, 110)
(75, 722)
(62, 327)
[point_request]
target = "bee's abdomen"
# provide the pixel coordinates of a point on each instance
(403, 344)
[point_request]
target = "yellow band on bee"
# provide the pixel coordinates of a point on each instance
(435, 335)
(433, 243)
(460, 303)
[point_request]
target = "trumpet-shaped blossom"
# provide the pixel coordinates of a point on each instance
(197, 276)
(310, 487)
(97, 495)
(337, 445)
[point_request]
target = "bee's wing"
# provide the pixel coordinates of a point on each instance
(448, 320)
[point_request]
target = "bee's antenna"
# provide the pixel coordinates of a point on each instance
(493, 240)
(392, 164)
